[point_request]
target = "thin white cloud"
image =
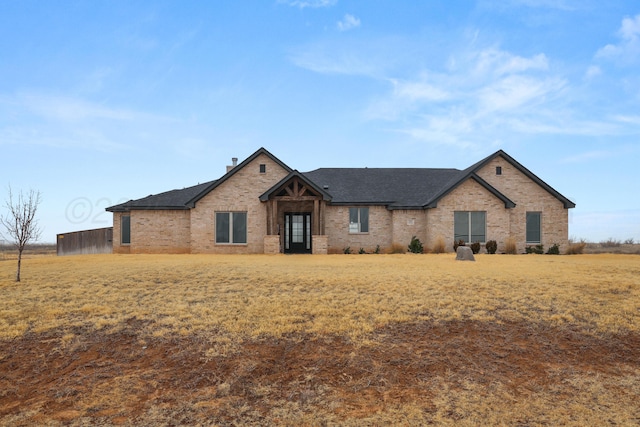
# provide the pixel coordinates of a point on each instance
(309, 3)
(419, 90)
(592, 72)
(347, 23)
(628, 49)
(70, 109)
(69, 122)
(325, 59)
(587, 156)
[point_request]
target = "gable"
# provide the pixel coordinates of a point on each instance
(295, 185)
(262, 156)
(486, 169)
(465, 178)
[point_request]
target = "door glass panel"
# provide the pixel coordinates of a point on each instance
(286, 231)
(308, 227)
(297, 229)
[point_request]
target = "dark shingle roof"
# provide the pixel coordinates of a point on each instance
(395, 187)
(174, 199)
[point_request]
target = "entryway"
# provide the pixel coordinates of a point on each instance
(297, 232)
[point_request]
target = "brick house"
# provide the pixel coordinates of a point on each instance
(263, 206)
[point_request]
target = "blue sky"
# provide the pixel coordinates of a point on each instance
(105, 101)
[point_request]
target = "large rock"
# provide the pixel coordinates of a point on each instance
(464, 253)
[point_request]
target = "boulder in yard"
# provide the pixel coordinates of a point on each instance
(464, 253)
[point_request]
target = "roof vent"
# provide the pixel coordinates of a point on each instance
(326, 187)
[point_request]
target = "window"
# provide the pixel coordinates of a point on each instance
(358, 220)
(125, 230)
(263, 168)
(498, 170)
(470, 226)
(534, 227)
(231, 227)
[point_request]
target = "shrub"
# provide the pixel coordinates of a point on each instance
(629, 241)
(415, 246)
(537, 249)
(458, 243)
(576, 248)
(362, 251)
(554, 250)
(510, 246)
(377, 251)
(438, 246)
(491, 246)
(475, 247)
(347, 250)
(611, 243)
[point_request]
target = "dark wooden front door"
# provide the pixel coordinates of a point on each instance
(297, 232)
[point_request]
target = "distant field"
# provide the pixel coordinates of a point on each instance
(314, 340)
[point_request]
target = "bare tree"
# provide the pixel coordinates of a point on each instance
(20, 222)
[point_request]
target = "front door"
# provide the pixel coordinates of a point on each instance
(297, 232)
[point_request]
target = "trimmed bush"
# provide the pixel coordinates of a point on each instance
(475, 247)
(537, 249)
(554, 250)
(415, 246)
(458, 243)
(491, 246)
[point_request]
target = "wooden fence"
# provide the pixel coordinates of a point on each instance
(96, 241)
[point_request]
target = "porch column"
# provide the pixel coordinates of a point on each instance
(274, 216)
(316, 217)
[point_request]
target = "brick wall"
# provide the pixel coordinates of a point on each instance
(239, 193)
(409, 223)
(118, 247)
(160, 231)
(337, 229)
(468, 196)
(528, 197)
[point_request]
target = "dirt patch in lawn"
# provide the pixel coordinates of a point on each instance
(123, 377)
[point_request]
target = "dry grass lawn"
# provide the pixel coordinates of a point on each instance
(321, 340)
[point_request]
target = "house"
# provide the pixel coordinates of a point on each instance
(261, 205)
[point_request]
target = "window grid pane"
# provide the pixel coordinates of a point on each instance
(478, 226)
(239, 222)
(534, 227)
(222, 227)
(364, 220)
(461, 226)
(125, 230)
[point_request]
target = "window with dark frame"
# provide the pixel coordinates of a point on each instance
(358, 220)
(231, 227)
(263, 168)
(125, 230)
(498, 170)
(470, 226)
(534, 227)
